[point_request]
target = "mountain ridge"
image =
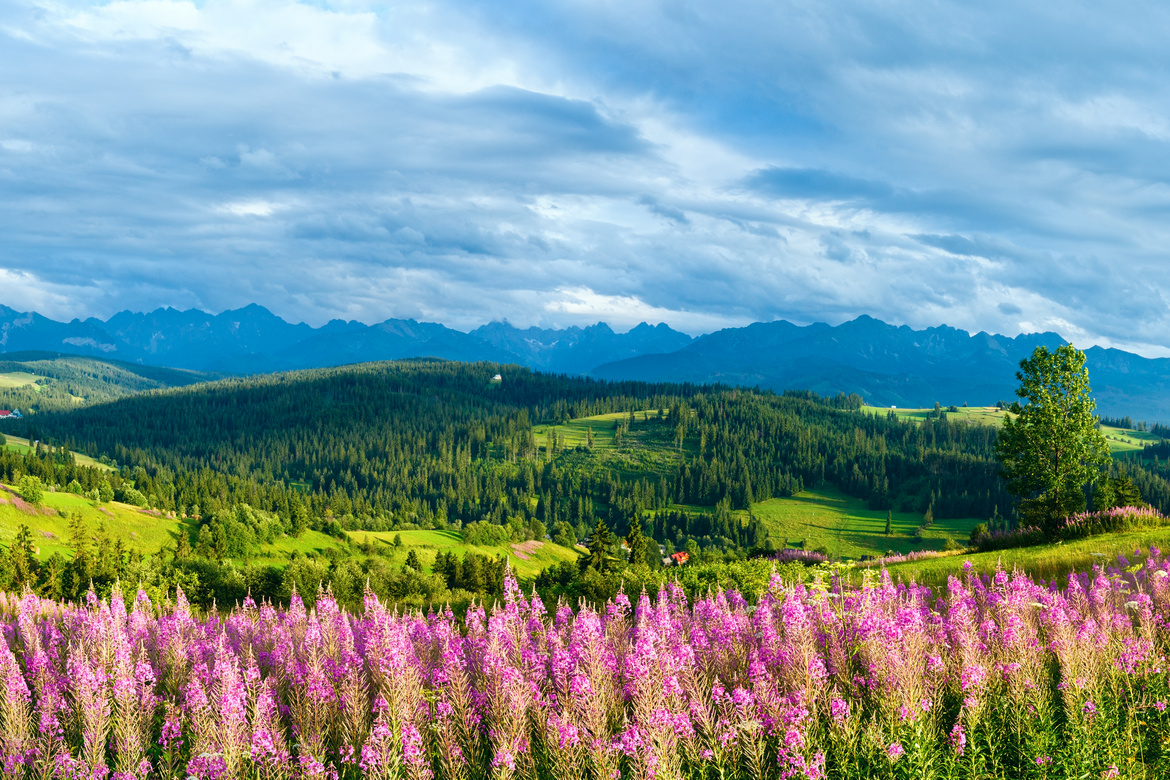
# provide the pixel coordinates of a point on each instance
(889, 365)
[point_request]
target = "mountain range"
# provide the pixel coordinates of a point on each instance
(886, 364)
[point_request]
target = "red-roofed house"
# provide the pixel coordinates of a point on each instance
(680, 558)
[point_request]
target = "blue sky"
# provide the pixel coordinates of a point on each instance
(993, 166)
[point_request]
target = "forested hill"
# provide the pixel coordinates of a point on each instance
(51, 381)
(437, 442)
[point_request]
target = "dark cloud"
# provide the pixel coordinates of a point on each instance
(992, 166)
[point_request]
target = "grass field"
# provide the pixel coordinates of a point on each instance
(1048, 561)
(18, 379)
(18, 444)
(1125, 440)
(986, 415)
(827, 518)
(149, 532)
(575, 432)
(526, 558)
(139, 530)
(647, 448)
(1119, 439)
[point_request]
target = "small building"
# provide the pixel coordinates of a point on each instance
(497, 378)
(680, 558)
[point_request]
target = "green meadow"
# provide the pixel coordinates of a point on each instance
(984, 415)
(826, 518)
(145, 531)
(643, 449)
(149, 531)
(1120, 440)
(17, 444)
(527, 559)
(18, 379)
(1046, 561)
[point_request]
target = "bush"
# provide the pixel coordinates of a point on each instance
(486, 534)
(31, 489)
(133, 496)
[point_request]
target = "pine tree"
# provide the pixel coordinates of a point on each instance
(637, 543)
(412, 561)
(598, 557)
(889, 521)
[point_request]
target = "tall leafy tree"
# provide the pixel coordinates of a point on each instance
(1049, 448)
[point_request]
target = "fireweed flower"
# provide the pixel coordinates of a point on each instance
(958, 739)
(664, 687)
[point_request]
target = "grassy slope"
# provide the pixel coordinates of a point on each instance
(827, 518)
(823, 517)
(1119, 439)
(17, 379)
(148, 533)
(1048, 561)
(18, 444)
(137, 529)
(429, 543)
(645, 449)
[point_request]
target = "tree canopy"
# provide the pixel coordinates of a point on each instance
(1049, 448)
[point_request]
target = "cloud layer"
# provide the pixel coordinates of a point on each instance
(1003, 166)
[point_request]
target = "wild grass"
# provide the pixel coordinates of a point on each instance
(846, 528)
(526, 558)
(1049, 562)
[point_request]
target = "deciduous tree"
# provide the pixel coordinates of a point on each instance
(1049, 448)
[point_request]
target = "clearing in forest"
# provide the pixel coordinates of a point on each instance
(825, 518)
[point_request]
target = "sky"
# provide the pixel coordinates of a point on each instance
(998, 166)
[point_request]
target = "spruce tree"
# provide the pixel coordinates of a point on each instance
(637, 543)
(889, 521)
(598, 557)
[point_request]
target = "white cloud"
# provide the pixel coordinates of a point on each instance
(983, 166)
(625, 311)
(249, 208)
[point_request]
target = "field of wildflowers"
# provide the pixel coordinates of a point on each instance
(998, 676)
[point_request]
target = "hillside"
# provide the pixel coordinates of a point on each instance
(885, 364)
(51, 381)
(1120, 440)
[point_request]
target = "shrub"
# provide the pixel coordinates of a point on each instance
(31, 489)
(486, 534)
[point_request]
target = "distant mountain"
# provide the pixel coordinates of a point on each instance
(253, 340)
(578, 350)
(889, 365)
(885, 364)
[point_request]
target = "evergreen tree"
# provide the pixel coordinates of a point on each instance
(22, 559)
(412, 561)
(889, 521)
(637, 543)
(598, 557)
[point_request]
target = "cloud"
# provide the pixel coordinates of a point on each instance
(995, 167)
